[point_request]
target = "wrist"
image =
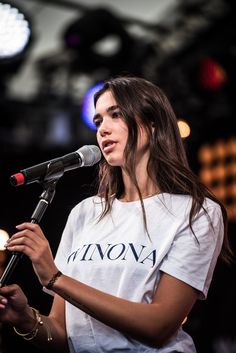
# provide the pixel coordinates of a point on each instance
(31, 333)
(27, 320)
(49, 285)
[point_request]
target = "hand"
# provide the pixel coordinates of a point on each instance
(13, 305)
(31, 241)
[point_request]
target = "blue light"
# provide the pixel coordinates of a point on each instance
(88, 109)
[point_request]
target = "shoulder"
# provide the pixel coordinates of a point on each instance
(211, 206)
(184, 202)
(88, 202)
(176, 205)
(83, 212)
(89, 205)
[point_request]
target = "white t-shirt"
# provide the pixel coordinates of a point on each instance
(117, 256)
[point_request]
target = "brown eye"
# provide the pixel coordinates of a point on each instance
(116, 114)
(97, 122)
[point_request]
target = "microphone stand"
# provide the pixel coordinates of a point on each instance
(45, 199)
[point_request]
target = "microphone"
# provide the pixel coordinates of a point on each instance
(85, 156)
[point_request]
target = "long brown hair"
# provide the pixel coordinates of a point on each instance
(140, 101)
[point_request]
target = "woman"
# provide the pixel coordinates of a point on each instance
(133, 259)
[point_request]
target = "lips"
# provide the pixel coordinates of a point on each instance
(108, 145)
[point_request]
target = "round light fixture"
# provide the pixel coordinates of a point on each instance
(14, 31)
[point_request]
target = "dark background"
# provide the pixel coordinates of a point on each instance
(198, 74)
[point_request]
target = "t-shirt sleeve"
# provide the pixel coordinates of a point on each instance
(192, 259)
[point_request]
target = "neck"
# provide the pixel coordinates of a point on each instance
(135, 197)
(145, 184)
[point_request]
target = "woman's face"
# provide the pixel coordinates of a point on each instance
(112, 131)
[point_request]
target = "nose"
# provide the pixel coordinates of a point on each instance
(104, 128)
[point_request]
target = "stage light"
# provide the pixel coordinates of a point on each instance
(184, 128)
(3, 238)
(87, 111)
(218, 171)
(14, 31)
(212, 75)
(15, 40)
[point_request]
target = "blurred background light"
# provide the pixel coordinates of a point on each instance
(212, 75)
(15, 40)
(188, 49)
(87, 111)
(184, 128)
(3, 238)
(14, 31)
(218, 171)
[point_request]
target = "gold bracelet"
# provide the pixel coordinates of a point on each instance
(33, 333)
(37, 322)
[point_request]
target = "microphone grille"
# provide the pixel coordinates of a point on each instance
(90, 155)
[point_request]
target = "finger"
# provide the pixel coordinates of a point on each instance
(8, 290)
(3, 302)
(23, 243)
(28, 225)
(33, 227)
(27, 234)
(28, 229)
(23, 233)
(32, 246)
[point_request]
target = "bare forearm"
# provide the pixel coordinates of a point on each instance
(50, 338)
(138, 320)
(47, 335)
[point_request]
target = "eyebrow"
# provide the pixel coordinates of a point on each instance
(108, 110)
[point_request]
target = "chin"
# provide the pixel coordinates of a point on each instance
(114, 162)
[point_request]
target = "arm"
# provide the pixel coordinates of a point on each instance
(151, 323)
(14, 310)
